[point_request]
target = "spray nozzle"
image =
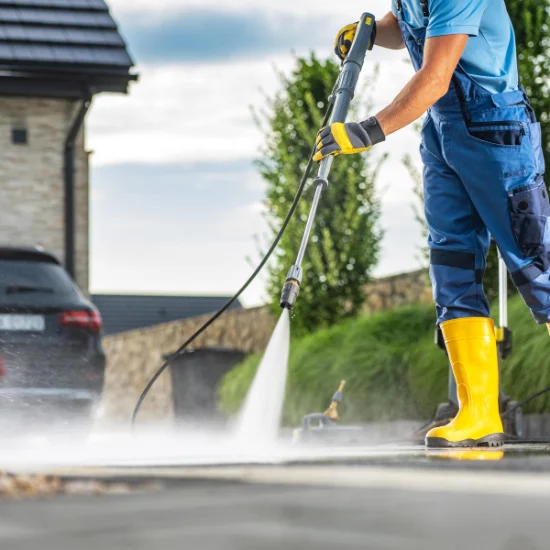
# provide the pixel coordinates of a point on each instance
(291, 288)
(332, 411)
(290, 294)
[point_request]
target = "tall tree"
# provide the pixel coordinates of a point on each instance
(345, 240)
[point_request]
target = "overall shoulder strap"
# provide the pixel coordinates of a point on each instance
(423, 3)
(425, 8)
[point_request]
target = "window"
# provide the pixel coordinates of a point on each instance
(19, 136)
(28, 282)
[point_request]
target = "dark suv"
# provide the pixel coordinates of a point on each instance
(52, 362)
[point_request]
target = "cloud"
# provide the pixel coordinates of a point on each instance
(189, 228)
(202, 35)
(305, 8)
(190, 31)
(180, 113)
(184, 228)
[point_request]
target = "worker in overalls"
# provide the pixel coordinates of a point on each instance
(483, 175)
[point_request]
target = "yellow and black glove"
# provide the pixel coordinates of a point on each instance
(348, 138)
(345, 38)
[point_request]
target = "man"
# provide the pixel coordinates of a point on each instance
(483, 175)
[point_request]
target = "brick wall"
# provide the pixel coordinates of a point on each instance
(31, 178)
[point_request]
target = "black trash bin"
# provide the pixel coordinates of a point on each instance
(195, 377)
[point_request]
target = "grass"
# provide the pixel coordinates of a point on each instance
(392, 366)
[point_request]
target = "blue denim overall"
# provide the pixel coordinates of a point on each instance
(483, 175)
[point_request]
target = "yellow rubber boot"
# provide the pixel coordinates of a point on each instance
(472, 349)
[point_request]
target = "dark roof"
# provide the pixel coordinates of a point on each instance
(124, 312)
(68, 39)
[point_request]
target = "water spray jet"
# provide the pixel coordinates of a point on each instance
(263, 406)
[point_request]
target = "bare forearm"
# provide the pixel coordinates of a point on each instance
(428, 85)
(422, 91)
(388, 33)
(441, 57)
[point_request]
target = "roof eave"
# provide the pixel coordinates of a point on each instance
(63, 82)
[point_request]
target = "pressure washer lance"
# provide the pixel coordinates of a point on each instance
(341, 98)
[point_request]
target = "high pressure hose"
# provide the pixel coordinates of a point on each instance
(337, 111)
(219, 313)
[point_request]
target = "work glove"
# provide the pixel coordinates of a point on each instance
(348, 138)
(345, 37)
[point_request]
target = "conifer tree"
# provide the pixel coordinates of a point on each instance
(345, 241)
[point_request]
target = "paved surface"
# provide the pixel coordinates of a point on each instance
(215, 515)
(377, 498)
(516, 458)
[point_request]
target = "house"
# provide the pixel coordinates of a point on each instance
(55, 56)
(121, 313)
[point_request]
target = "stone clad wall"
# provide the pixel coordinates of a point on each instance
(133, 357)
(398, 290)
(31, 178)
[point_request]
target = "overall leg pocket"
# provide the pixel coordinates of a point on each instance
(499, 133)
(530, 212)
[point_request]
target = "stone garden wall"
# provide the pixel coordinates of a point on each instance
(133, 357)
(398, 290)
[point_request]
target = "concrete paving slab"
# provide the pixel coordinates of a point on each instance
(238, 516)
(182, 450)
(241, 497)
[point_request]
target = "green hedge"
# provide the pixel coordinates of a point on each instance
(393, 368)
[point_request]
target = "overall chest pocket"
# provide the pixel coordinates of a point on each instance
(530, 213)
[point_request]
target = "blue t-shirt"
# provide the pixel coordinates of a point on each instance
(490, 54)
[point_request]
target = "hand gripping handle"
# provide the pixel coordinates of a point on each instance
(351, 69)
(347, 83)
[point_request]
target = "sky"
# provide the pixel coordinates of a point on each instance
(176, 203)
